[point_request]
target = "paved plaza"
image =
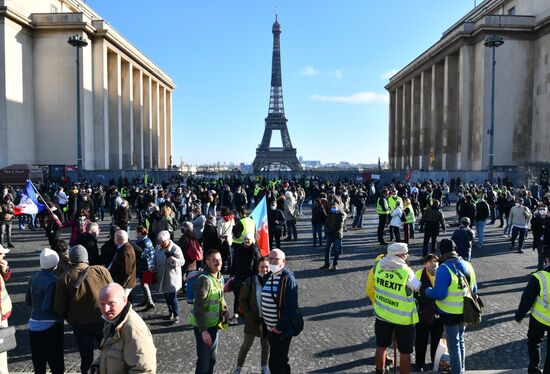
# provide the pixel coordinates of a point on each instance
(339, 323)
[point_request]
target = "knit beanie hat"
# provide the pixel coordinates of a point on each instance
(398, 249)
(446, 246)
(48, 259)
(78, 254)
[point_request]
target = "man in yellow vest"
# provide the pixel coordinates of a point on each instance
(535, 298)
(5, 302)
(408, 225)
(448, 293)
(394, 306)
(209, 312)
(382, 210)
(243, 225)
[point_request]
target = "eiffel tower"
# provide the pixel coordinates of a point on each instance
(268, 157)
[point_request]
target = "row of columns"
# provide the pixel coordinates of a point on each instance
(132, 115)
(426, 129)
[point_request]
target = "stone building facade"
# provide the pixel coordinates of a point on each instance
(126, 100)
(440, 102)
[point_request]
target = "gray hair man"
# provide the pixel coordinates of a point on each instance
(280, 289)
(123, 266)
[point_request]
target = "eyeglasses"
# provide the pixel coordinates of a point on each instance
(275, 259)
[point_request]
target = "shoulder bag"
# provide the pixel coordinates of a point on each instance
(473, 305)
(7, 339)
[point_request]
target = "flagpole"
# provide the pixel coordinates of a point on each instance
(40, 196)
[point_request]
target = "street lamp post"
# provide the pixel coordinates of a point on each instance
(78, 42)
(492, 41)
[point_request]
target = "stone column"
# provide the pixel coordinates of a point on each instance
(127, 139)
(398, 124)
(465, 107)
(391, 137)
(147, 123)
(137, 155)
(426, 144)
(169, 128)
(438, 75)
(451, 134)
(115, 112)
(415, 122)
(406, 127)
(162, 127)
(155, 124)
(101, 104)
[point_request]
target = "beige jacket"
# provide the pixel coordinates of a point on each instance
(127, 349)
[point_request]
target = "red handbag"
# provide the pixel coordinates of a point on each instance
(149, 277)
(194, 250)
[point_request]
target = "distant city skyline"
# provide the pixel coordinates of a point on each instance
(336, 60)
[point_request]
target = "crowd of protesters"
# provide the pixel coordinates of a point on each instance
(216, 237)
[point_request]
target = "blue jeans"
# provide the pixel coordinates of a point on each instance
(206, 356)
(299, 206)
(205, 207)
(455, 344)
(101, 213)
(522, 232)
(336, 251)
(172, 303)
(317, 233)
(22, 220)
(358, 220)
(480, 228)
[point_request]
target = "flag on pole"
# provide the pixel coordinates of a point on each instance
(29, 203)
(259, 215)
(408, 175)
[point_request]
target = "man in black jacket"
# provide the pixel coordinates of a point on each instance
(88, 240)
(539, 323)
(334, 228)
(432, 219)
(468, 209)
(482, 214)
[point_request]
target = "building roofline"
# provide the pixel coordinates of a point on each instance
(92, 24)
(467, 26)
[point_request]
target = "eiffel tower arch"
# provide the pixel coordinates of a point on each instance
(267, 157)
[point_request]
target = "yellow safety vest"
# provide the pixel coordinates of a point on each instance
(410, 215)
(541, 309)
(257, 190)
(213, 307)
(392, 202)
(379, 208)
(248, 227)
(472, 273)
(5, 301)
(454, 302)
(391, 302)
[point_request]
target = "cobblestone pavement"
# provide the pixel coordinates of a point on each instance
(339, 332)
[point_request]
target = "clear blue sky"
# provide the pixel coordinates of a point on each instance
(336, 58)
